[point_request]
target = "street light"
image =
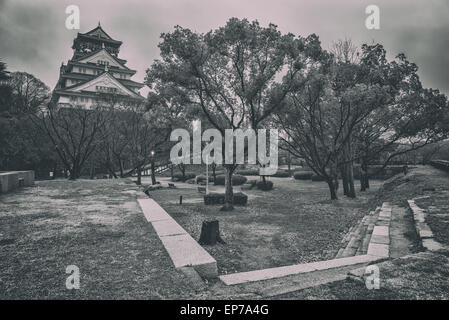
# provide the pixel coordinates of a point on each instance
(153, 178)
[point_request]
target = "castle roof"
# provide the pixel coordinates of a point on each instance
(100, 34)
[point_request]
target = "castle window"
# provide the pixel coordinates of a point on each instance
(106, 89)
(103, 62)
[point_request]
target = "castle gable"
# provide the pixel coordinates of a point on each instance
(103, 57)
(104, 83)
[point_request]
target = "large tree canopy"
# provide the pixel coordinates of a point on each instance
(346, 110)
(237, 75)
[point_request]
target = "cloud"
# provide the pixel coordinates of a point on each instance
(33, 36)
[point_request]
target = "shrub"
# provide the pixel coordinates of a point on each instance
(237, 180)
(303, 175)
(248, 172)
(202, 178)
(282, 174)
(188, 176)
(316, 177)
(219, 198)
(252, 182)
(265, 186)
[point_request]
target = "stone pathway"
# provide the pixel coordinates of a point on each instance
(279, 286)
(181, 247)
(305, 268)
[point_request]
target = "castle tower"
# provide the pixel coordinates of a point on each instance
(94, 72)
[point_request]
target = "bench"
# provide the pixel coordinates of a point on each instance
(171, 185)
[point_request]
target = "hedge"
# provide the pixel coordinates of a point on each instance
(248, 172)
(282, 174)
(303, 175)
(237, 180)
(219, 198)
(265, 186)
(255, 172)
(316, 177)
(188, 176)
(202, 178)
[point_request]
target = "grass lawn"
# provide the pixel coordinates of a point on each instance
(294, 223)
(96, 225)
(419, 276)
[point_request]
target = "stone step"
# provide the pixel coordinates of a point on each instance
(363, 248)
(304, 281)
(305, 268)
(354, 241)
(346, 238)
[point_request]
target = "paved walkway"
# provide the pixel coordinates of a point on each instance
(181, 247)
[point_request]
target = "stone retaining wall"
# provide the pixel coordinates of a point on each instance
(11, 180)
(422, 228)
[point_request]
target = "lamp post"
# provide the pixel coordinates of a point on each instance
(207, 175)
(153, 177)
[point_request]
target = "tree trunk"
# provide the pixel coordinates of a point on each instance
(229, 195)
(121, 167)
(74, 173)
(364, 179)
(336, 183)
(92, 171)
(210, 233)
(332, 189)
(362, 182)
(351, 180)
(344, 178)
(139, 176)
(112, 173)
(55, 170)
(349, 168)
(153, 175)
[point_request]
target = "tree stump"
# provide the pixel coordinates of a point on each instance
(210, 233)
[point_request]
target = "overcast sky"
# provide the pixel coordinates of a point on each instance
(33, 36)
